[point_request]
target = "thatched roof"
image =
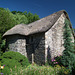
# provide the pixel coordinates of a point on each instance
(41, 25)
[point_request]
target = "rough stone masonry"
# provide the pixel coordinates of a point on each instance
(40, 40)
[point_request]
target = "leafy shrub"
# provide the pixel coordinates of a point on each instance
(61, 70)
(58, 59)
(39, 70)
(52, 62)
(6, 71)
(16, 56)
(13, 61)
(9, 64)
(43, 70)
(73, 69)
(34, 69)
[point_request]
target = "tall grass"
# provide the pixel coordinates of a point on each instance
(34, 69)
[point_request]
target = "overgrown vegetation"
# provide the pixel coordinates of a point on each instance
(68, 54)
(15, 56)
(34, 69)
(11, 60)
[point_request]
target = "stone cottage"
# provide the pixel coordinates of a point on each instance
(39, 40)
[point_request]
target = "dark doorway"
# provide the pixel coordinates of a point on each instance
(30, 47)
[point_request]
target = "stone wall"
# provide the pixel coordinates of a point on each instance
(36, 46)
(33, 44)
(41, 45)
(54, 39)
(17, 43)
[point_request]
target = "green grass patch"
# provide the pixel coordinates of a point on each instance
(34, 69)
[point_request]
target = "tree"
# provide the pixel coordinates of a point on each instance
(19, 18)
(31, 17)
(6, 21)
(14, 12)
(68, 54)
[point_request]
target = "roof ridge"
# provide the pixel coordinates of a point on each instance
(38, 26)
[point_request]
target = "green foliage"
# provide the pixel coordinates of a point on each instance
(9, 64)
(73, 69)
(16, 56)
(34, 69)
(6, 71)
(19, 18)
(3, 43)
(13, 61)
(52, 62)
(15, 12)
(68, 54)
(61, 70)
(31, 17)
(6, 20)
(2, 47)
(58, 59)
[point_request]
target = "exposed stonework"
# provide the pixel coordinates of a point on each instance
(39, 40)
(54, 39)
(18, 44)
(33, 44)
(36, 45)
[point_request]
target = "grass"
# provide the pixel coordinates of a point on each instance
(34, 69)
